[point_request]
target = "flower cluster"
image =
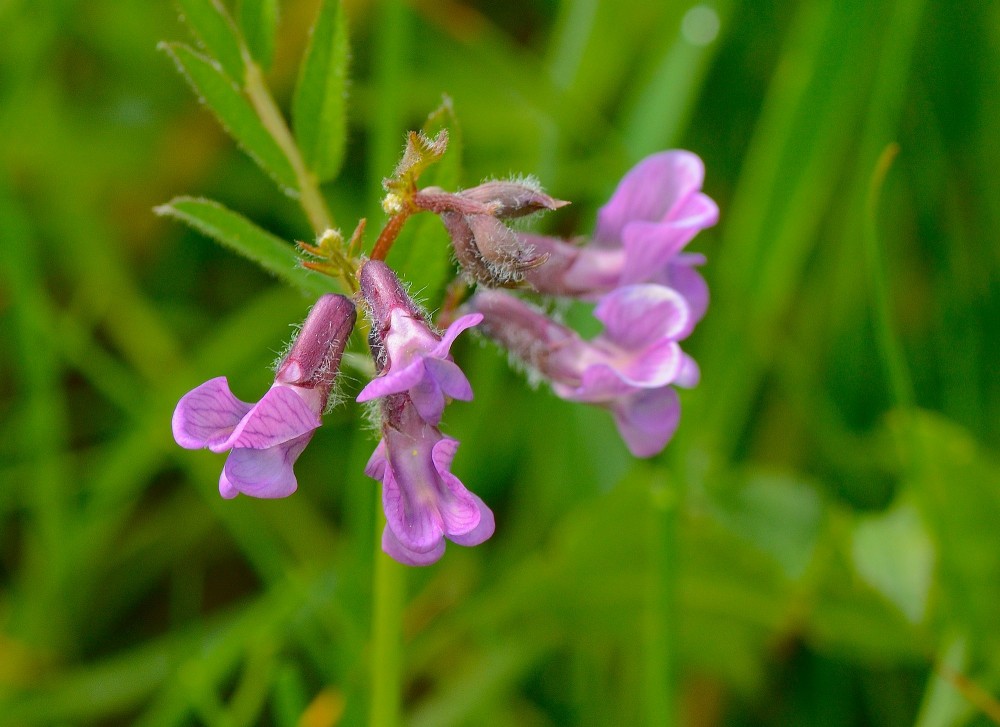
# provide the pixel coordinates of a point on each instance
(648, 297)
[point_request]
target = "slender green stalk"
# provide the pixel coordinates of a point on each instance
(389, 588)
(660, 615)
(389, 74)
(891, 350)
(310, 197)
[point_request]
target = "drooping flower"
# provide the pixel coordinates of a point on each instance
(409, 355)
(641, 233)
(488, 251)
(424, 502)
(265, 439)
(627, 369)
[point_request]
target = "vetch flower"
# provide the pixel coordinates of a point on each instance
(424, 502)
(409, 355)
(488, 251)
(265, 439)
(654, 213)
(627, 369)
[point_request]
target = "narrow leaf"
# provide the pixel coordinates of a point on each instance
(318, 109)
(233, 111)
(217, 34)
(241, 235)
(259, 21)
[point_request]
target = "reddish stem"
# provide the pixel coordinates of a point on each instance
(389, 234)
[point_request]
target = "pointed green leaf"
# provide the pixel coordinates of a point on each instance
(318, 110)
(233, 111)
(778, 514)
(894, 554)
(259, 21)
(217, 34)
(241, 235)
(954, 483)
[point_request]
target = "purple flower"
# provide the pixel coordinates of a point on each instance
(410, 357)
(627, 368)
(656, 210)
(266, 438)
(424, 502)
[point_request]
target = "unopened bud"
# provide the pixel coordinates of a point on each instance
(508, 199)
(313, 359)
(463, 243)
(505, 253)
(488, 251)
(383, 292)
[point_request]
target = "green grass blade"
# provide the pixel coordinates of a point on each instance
(217, 34)
(244, 237)
(661, 109)
(259, 22)
(318, 110)
(233, 111)
(43, 431)
(787, 184)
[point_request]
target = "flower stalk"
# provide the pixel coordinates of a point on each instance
(310, 197)
(389, 596)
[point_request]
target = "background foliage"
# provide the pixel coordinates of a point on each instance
(817, 547)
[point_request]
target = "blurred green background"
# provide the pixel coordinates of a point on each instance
(818, 546)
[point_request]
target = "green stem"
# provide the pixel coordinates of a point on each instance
(660, 614)
(890, 348)
(310, 197)
(389, 588)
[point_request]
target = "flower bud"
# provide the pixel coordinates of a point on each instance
(488, 251)
(314, 357)
(508, 199)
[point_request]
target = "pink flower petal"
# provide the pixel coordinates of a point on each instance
(399, 552)
(460, 324)
(280, 416)
(378, 462)
(682, 277)
(650, 191)
(393, 381)
(647, 419)
(689, 374)
(649, 247)
(207, 415)
(226, 488)
(482, 532)
(600, 383)
(265, 472)
(657, 365)
(416, 526)
(636, 316)
(697, 212)
(450, 378)
(458, 509)
(427, 398)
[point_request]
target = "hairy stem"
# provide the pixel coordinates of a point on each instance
(310, 197)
